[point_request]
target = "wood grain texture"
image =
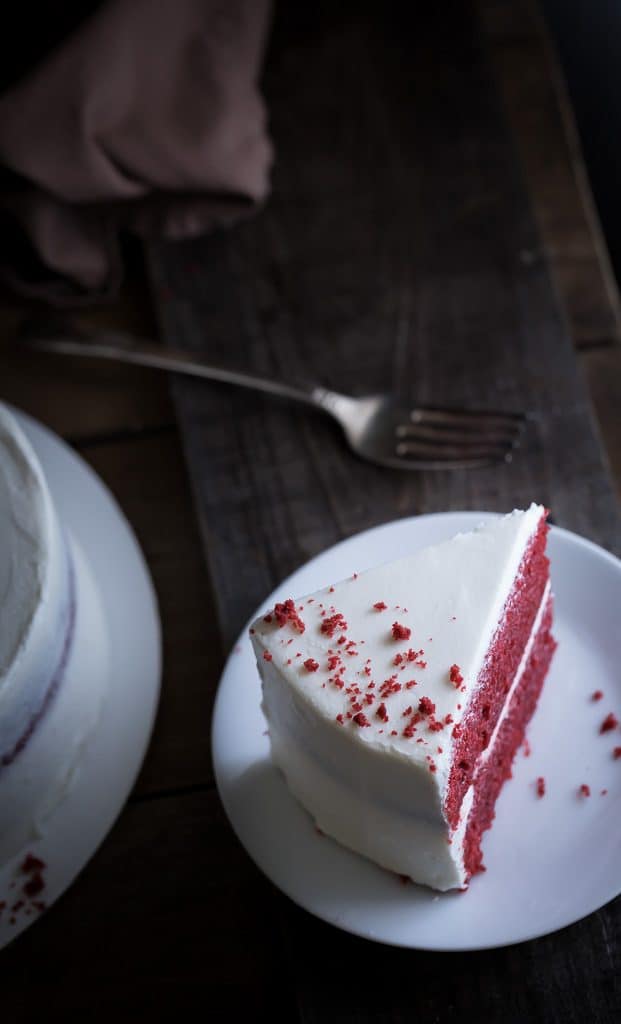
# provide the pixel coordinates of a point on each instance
(81, 399)
(147, 476)
(395, 253)
(406, 272)
(169, 918)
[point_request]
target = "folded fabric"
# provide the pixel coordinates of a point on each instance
(147, 117)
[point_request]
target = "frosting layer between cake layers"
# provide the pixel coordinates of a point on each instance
(370, 686)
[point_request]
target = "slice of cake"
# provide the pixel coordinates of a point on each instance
(397, 699)
(49, 698)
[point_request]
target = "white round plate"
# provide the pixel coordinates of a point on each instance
(114, 753)
(550, 861)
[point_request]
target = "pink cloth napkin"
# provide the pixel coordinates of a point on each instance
(146, 118)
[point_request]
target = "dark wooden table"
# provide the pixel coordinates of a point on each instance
(431, 229)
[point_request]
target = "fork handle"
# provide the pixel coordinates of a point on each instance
(126, 349)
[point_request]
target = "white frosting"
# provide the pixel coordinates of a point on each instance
(26, 527)
(47, 705)
(39, 779)
(372, 791)
(35, 587)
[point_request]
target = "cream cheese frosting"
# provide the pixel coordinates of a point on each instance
(26, 529)
(417, 629)
(36, 599)
(52, 634)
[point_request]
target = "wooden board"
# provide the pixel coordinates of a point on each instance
(401, 249)
(391, 256)
(148, 472)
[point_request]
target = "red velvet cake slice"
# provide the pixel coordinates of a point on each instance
(397, 699)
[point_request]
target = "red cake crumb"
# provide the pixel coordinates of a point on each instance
(31, 864)
(340, 719)
(616, 753)
(267, 656)
(285, 612)
(381, 713)
(585, 790)
(409, 656)
(361, 720)
(34, 885)
(541, 786)
(597, 695)
(610, 722)
(400, 632)
(389, 686)
(330, 625)
(311, 665)
(426, 706)
(380, 606)
(455, 675)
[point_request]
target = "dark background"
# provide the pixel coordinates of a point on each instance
(588, 41)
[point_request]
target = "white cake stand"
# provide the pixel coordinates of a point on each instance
(117, 651)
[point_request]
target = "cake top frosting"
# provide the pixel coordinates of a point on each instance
(25, 530)
(392, 655)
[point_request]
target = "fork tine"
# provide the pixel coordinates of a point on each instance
(454, 451)
(465, 418)
(443, 433)
(426, 463)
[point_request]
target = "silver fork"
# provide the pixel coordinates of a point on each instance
(378, 427)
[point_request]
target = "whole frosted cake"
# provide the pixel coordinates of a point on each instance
(396, 699)
(48, 703)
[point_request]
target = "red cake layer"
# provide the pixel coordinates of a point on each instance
(497, 769)
(501, 664)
